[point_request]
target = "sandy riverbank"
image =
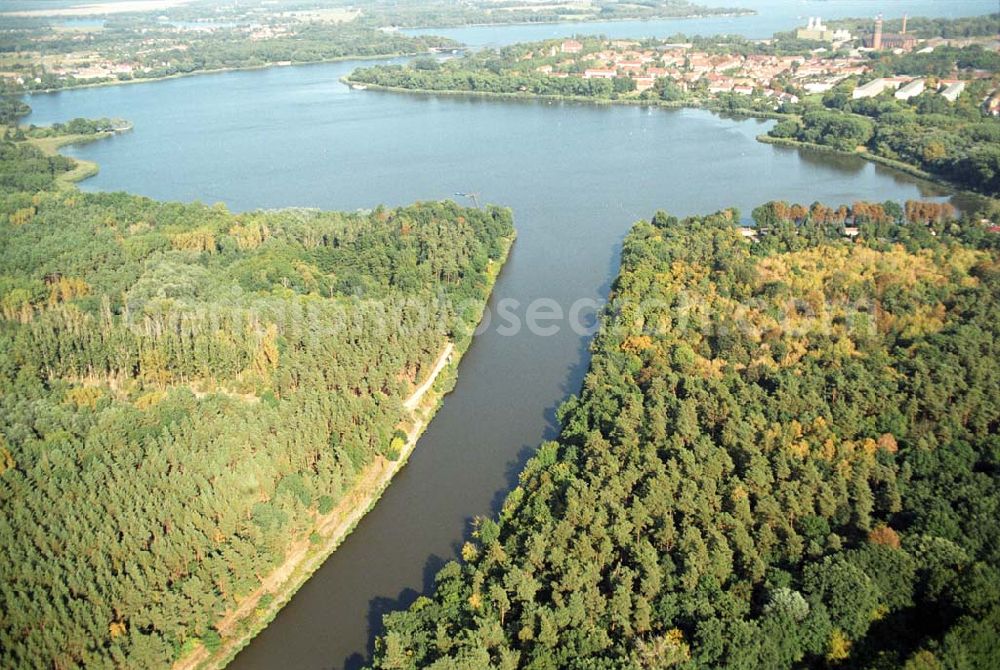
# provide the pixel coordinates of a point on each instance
(239, 626)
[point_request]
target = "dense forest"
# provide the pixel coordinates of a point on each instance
(183, 389)
(959, 141)
(25, 168)
(12, 109)
(785, 454)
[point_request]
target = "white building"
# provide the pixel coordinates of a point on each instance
(870, 90)
(913, 89)
(817, 86)
(815, 30)
(952, 91)
(876, 87)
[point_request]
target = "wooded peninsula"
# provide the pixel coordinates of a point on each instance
(188, 393)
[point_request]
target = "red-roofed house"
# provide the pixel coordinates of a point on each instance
(721, 85)
(700, 64)
(644, 83)
(571, 47)
(727, 63)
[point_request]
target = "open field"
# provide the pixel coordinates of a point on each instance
(98, 9)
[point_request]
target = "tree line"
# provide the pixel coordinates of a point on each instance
(959, 141)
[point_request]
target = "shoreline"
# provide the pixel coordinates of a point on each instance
(304, 556)
(527, 97)
(899, 166)
(339, 59)
(83, 169)
(222, 70)
(500, 24)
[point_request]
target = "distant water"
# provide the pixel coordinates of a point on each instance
(80, 23)
(200, 25)
(31, 5)
(772, 16)
(577, 177)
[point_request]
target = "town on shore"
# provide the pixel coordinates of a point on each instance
(782, 77)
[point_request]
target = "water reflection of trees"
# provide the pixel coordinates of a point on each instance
(851, 165)
(855, 165)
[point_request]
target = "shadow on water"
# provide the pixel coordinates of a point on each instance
(843, 163)
(379, 606)
(512, 474)
(856, 165)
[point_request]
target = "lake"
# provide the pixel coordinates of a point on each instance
(577, 177)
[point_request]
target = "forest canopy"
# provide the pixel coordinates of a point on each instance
(785, 454)
(183, 389)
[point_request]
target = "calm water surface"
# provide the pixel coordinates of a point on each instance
(577, 178)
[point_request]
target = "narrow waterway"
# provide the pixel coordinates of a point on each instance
(577, 177)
